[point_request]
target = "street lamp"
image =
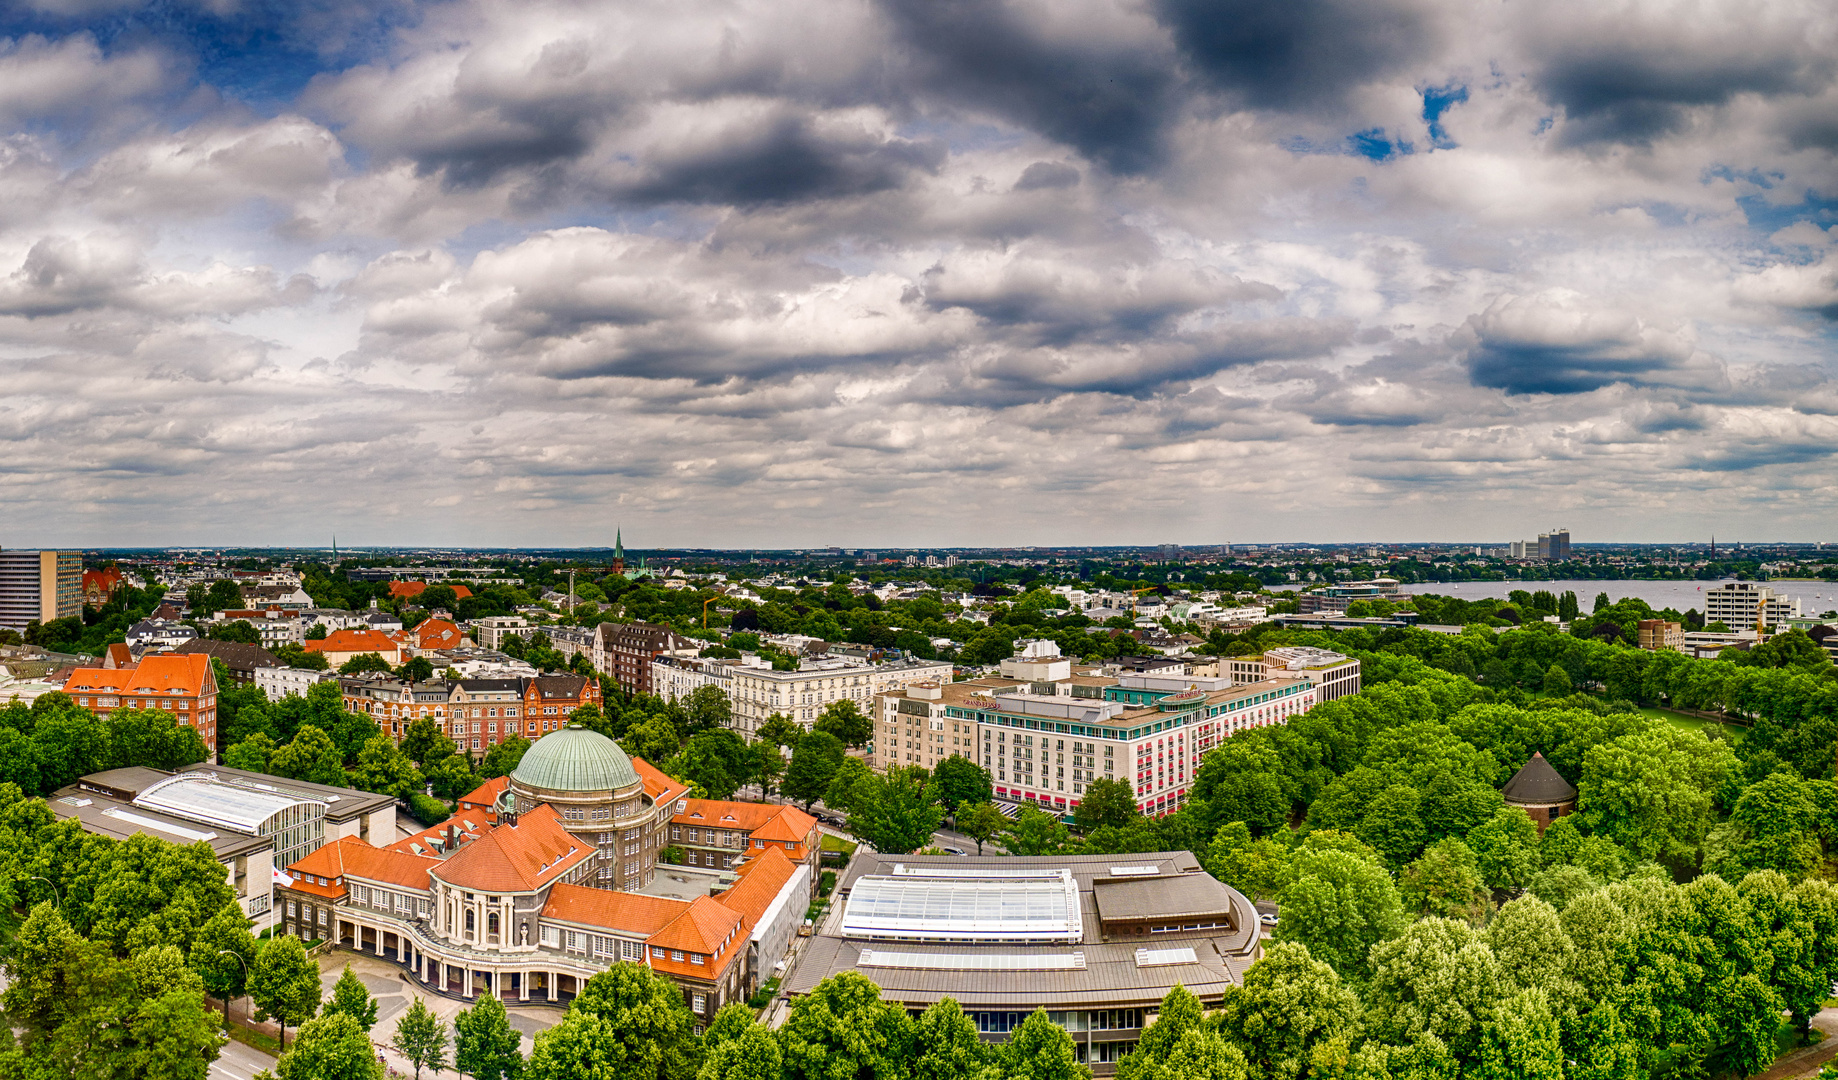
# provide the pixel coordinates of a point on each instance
(226, 996)
(48, 881)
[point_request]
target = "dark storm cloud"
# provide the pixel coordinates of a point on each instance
(1558, 342)
(1304, 52)
(1110, 98)
(785, 160)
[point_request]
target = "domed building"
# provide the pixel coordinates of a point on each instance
(599, 797)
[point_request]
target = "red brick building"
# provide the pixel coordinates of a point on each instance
(625, 651)
(182, 685)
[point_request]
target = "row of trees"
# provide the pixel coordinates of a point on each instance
(54, 741)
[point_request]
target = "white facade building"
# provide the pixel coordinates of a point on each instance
(759, 692)
(1335, 675)
(280, 682)
(1740, 604)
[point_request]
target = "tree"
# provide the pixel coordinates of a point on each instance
(1446, 881)
(1521, 1041)
(707, 708)
(223, 596)
(1776, 825)
(1528, 940)
(1258, 868)
(1340, 905)
(503, 757)
(1505, 848)
(1040, 1050)
(980, 823)
(1392, 825)
(253, 753)
(382, 767)
(52, 976)
(814, 762)
(285, 983)
(781, 730)
(484, 1043)
(842, 1030)
(897, 811)
(332, 1047)
(1438, 979)
(961, 782)
(311, 756)
(843, 789)
(317, 632)
(239, 631)
(452, 777)
(1289, 1006)
(363, 662)
(421, 1038)
(767, 766)
(1651, 791)
(716, 760)
(1106, 802)
(629, 1023)
(425, 743)
(1557, 682)
(844, 720)
(947, 1044)
(1035, 832)
(416, 669)
(226, 977)
(170, 1033)
(350, 997)
(736, 1047)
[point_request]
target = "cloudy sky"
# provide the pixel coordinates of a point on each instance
(907, 272)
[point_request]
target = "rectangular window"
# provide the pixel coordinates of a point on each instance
(699, 1003)
(696, 959)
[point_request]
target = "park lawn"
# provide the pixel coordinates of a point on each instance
(837, 843)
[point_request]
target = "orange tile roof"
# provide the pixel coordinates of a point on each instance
(353, 641)
(468, 822)
(632, 912)
(486, 795)
(761, 880)
(519, 858)
(438, 634)
(119, 656)
(763, 821)
(662, 787)
(350, 856)
(186, 675)
(702, 929)
(408, 590)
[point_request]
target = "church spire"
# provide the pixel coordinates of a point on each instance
(618, 552)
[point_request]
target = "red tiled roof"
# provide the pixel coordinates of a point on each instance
(662, 788)
(438, 634)
(408, 590)
(468, 822)
(700, 929)
(632, 912)
(486, 795)
(353, 641)
(763, 821)
(516, 858)
(350, 856)
(162, 673)
(119, 656)
(761, 880)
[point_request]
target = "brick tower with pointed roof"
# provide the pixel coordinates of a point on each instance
(1538, 790)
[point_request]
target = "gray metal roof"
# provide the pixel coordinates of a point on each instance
(1537, 784)
(920, 904)
(1163, 896)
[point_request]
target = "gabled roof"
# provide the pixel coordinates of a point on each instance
(761, 880)
(437, 634)
(349, 856)
(236, 654)
(1537, 784)
(789, 824)
(662, 787)
(634, 913)
(353, 641)
(762, 821)
(701, 929)
(408, 590)
(516, 858)
(559, 686)
(486, 794)
(162, 673)
(118, 656)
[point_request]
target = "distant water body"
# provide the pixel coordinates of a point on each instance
(1816, 597)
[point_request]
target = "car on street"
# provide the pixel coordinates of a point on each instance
(1267, 920)
(949, 850)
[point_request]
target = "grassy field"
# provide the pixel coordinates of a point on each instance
(1687, 722)
(837, 843)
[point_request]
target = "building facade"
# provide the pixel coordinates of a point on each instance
(1334, 599)
(280, 682)
(624, 652)
(801, 695)
(185, 686)
(39, 586)
(1740, 605)
(1659, 635)
(1335, 676)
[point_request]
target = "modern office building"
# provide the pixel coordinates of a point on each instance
(39, 586)
(1334, 599)
(1334, 675)
(1659, 635)
(1096, 940)
(1554, 545)
(1739, 605)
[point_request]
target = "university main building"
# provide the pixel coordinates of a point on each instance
(550, 875)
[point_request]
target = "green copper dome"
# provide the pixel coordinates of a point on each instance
(575, 759)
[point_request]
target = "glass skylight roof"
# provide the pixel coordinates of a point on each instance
(146, 822)
(1036, 906)
(201, 798)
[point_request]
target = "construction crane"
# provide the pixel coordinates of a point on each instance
(1136, 592)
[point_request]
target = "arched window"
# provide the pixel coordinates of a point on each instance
(491, 923)
(471, 921)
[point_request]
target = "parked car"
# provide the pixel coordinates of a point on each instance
(949, 850)
(1267, 920)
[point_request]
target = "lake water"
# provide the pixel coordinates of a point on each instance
(1816, 597)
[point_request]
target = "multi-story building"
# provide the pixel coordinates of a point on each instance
(674, 677)
(493, 629)
(1739, 605)
(624, 651)
(1334, 675)
(242, 660)
(1097, 940)
(39, 586)
(1659, 635)
(157, 633)
(759, 692)
(341, 645)
(290, 597)
(273, 626)
(476, 714)
(254, 823)
(560, 886)
(280, 682)
(432, 635)
(569, 641)
(911, 728)
(100, 586)
(184, 686)
(1336, 598)
(1554, 545)
(1149, 730)
(717, 834)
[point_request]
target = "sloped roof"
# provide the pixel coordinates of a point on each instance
(350, 855)
(437, 634)
(762, 821)
(700, 929)
(1537, 784)
(519, 858)
(486, 794)
(353, 641)
(789, 824)
(761, 880)
(632, 912)
(236, 654)
(661, 786)
(161, 673)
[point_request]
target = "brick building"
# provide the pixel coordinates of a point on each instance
(624, 651)
(182, 685)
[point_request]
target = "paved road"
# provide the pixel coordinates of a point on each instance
(239, 1062)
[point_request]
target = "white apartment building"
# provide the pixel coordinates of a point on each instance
(1334, 675)
(1740, 604)
(1148, 730)
(493, 629)
(911, 728)
(758, 692)
(280, 682)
